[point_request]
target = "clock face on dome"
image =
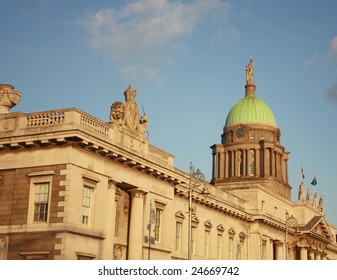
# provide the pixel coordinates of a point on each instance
(240, 132)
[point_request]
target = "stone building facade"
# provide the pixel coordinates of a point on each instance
(75, 187)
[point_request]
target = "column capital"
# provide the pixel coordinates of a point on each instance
(138, 193)
(278, 243)
(112, 182)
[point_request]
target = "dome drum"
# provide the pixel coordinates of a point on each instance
(250, 133)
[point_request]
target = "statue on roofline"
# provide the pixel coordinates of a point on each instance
(127, 115)
(301, 192)
(315, 202)
(308, 199)
(321, 203)
(249, 72)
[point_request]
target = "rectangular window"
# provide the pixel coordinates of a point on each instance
(157, 224)
(219, 246)
(41, 202)
(178, 235)
(206, 243)
(86, 204)
(240, 250)
(264, 250)
(193, 239)
(231, 241)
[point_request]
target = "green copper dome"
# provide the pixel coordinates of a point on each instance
(250, 109)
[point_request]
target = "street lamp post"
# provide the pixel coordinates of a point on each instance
(290, 222)
(152, 218)
(196, 179)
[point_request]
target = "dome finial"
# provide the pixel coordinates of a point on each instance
(250, 87)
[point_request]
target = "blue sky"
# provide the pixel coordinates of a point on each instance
(186, 59)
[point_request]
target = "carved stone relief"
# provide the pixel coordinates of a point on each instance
(7, 125)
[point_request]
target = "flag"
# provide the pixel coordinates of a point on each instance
(302, 173)
(314, 182)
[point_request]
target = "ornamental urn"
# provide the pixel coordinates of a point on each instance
(8, 98)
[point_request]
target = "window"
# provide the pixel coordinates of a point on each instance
(264, 250)
(178, 235)
(206, 243)
(34, 255)
(240, 250)
(157, 224)
(219, 246)
(40, 191)
(193, 239)
(180, 216)
(41, 202)
(86, 204)
(85, 256)
(231, 242)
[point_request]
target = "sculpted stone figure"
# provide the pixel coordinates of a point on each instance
(301, 192)
(131, 109)
(315, 202)
(249, 72)
(117, 113)
(143, 125)
(128, 114)
(308, 199)
(321, 203)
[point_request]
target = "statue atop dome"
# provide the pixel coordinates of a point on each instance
(249, 73)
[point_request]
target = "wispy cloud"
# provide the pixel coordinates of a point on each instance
(332, 55)
(331, 93)
(144, 34)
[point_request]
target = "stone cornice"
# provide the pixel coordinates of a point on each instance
(215, 202)
(74, 127)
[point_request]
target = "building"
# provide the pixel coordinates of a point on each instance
(75, 187)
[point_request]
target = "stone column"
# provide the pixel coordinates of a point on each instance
(303, 253)
(233, 153)
(279, 250)
(226, 165)
(276, 165)
(282, 167)
(286, 169)
(272, 162)
(257, 163)
(265, 162)
(213, 165)
(221, 165)
(244, 159)
(135, 244)
(317, 255)
(311, 254)
(110, 214)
